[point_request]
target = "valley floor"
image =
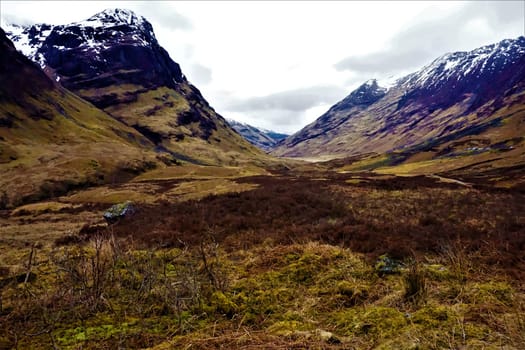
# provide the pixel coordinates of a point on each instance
(251, 259)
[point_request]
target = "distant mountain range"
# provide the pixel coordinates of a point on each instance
(262, 138)
(465, 97)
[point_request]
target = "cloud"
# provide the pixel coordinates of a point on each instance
(279, 120)
(199, 74)
(291, 100)
(284, 111)
(9, 18)
(164, 15)
(424, 41)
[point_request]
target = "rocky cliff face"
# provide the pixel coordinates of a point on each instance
(113, 60)
(111, 47)
(456, 95)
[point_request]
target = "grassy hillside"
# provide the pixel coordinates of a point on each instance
(181, 122)
(68, 143)
(493, 151)
(52, 141)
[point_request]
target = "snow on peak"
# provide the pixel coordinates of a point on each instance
(97, 33)
(28, 44)
(459, 64)
(371, 85)
(115, 16)
(389, 82)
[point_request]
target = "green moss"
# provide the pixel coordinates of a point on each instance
(347, 293)
(223, 304)
(405, 343)
(477, 331)
(498, 292)
(437, 272)
(376, 320)
(81, 334)
(433, 316)
(286, 328)
(304, 270)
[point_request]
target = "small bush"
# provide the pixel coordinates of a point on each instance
(415, 284)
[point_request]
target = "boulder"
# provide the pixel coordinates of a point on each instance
(386, 265)
(119, 211)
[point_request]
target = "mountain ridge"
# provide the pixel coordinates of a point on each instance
(113, 60)
(452, 93)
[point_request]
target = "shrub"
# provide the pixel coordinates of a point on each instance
(415, 283)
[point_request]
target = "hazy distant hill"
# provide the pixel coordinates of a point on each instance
(262, 138)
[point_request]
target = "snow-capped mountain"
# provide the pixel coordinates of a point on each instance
(461, 66)
(113, 60)
(454, 95)
(112, 41)
(29, 39)
(262, 138)
(483, 72)
(86, 34)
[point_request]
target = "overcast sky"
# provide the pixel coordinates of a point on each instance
(280, 65)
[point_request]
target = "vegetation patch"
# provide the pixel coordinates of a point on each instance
(292, 263)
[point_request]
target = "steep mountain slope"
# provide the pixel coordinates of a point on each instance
(51, 140)
(262, 138)
(469, 98)
(114, 61)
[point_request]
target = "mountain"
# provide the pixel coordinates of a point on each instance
(462, 103)
(52, 141)
(114, 61)
(262, 138)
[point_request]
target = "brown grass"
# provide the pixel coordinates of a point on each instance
(277, 266)
(398, 217)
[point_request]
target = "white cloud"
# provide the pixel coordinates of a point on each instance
(472, 25)
(199, 74)
(254, 49)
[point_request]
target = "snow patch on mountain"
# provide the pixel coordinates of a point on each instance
(93, 35)
(460, 64)
(112, 17)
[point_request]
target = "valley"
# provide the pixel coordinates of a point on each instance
(134, 216)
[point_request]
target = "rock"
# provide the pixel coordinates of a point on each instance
(328, 337)
(386, 265)
(119, 211)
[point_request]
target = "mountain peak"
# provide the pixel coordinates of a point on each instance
(370, 82)
(114, 16)
(114, 40)
(365, 95)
